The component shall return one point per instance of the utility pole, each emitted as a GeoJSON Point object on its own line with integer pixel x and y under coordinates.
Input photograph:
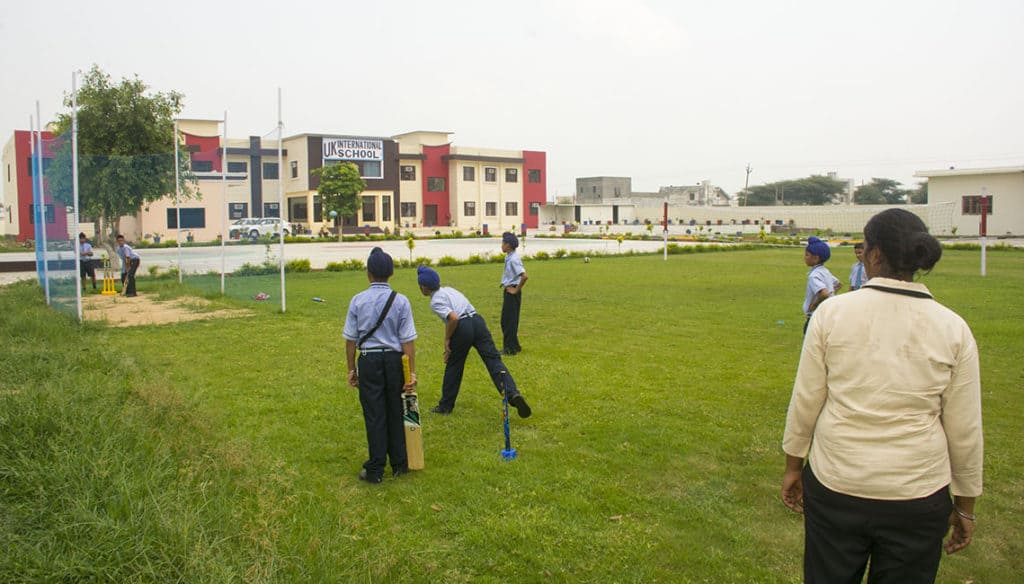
{"type": "Point", "coordinates": [746, 184]}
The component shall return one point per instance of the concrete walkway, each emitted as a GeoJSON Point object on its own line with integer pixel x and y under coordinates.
{"type": "Point", "coordinates": [198, 260]}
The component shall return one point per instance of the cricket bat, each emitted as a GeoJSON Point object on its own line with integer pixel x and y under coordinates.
{"type": "Point", "coordinates": [411, 420]}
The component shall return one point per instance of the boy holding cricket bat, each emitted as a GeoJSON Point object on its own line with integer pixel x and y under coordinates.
{"type": "Point", "coordinates": [379, 324]}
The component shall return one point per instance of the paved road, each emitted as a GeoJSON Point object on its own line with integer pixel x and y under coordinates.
{"type": "Point", "coordinates": [205, 259]}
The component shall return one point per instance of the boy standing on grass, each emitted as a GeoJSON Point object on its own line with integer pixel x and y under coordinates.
{"type": "Point", "coordinates": [130, 261]}
{"type": "Point", "coordinates": [379, 324]}
{"type": "Point", "coordinates": [85, 267]}
{"type": "Point", "coordinates": [820, 282]}
{"type": "Point", "coordinates": [857, 277]}
{"type": "Point", "coordinates": [512, 281]}
{"type": "Point", "coordinates": [464, 328]}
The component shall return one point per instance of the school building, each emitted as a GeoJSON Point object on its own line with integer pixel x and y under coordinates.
{"type": "Point", "coordinates": [1003, 187]}
{"type": "Point", "coordinates": [17, 210]}
{"type": "Point", "coordinates": [413, 180]}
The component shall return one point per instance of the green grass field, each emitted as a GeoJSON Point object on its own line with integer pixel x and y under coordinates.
{"type": "Point", "coordinates": [227, 450]}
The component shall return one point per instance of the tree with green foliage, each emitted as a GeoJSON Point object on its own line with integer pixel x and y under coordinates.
{"type": "Point", "coordinates": [125, 150]}
{"type": "Point", "coordinates": [340, 185]}
{"type": "Point", "coordinates": [919, 196]}
{"type": "Point", "coordinates": [813, 190]}
{"type": "Point", "coordinates": [880, 191]}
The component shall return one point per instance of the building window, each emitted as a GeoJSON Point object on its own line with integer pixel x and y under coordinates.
{"type": "Point", "coordinates": [534, 209]}
{"type": "Point", "coordinates": [581, 190]}
{"type": "Point", "coordinates": [234, 166]}
{"type": "Point", "coordinates": [408, 172]}
{"type": "Point", "coordinates": [618, 192]}
{"type": "Point", "coordinates": [192, 218]}
{"type": "Point", "coordinates": [300, 211]}
{"type": "Point", "coordinates": [511, 175]}
{"type": "Point", "coordinates": [469, 209]}
{"type": "Point", "coordinates": [435, 184]}
{"type": "Point", "coordinates": [408, 209]}
{"type": "Point", "coordinates": [385, 208]}
{"type": "Point", "coordinates": [533, 175]}
{"type": "Point", "coordinates": [295, 168]}
{"type": "Point", "coordinates": [971, 205]}
{"type": "Point", "coordinates": [271, 210]}
{"type": "Point", "coordinates": [32, 165]}
{"type": "Point", "coordinates": [369, 168]}
{"type": "Point", "coordinates": [270, 170]}
{"type": "Point", "coordinates": [49, 215]}
{"type": "Point", "coordinates": [490, 174]}
{"type": "Point", "coordinates": [202, 166]}
{"type": "Point", "coordinates": [369, 208]}
{"type": "Point", "coordinates": [238, 210]}
{"type": "Point", "coordinates": [593, 190]}
{"type": "Point", "coordinates": [511, 209]}
{"type": "Point", "coordinates": [469, 173]}
{"type": "Point", "coordinates": [491, 209]}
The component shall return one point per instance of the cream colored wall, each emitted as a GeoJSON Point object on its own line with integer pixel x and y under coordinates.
{"type": "Point", "coordinates": [153, 219]}
{"type": "Point", "coordinates": [481, 192]}
{"type": "Point", "coordinates": [421, 138]}
{"type": "Point", "coordinates": [298, 150]}
{"type": "Point", "coordinates": [11, 212]}
{"type": "Point", "coordinates": [411, 191]}
{"type": "Point", "coordinates": [200, 127]}
{"type": "Point", "coordinates": [1006, 190]}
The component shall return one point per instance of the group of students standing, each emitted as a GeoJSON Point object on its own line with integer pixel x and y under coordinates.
{"type": "Point", "coordinates": [130, 260]}
{"type": "Point", "coordinates": [379, 330]}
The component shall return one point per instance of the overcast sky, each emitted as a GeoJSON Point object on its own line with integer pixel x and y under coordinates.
{"type": "Point", "coordinates": [667, 92]}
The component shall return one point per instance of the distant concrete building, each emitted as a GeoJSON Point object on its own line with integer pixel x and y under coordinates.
{"type": "Point", "coordinates": [603, 189]}
{"type": "Point", "coordinates": [1002, 186]}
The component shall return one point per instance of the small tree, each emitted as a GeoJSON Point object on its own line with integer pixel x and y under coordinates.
{"type": "Point", "coordinates": [126, 150]}
{"type": "Point", "coordinates": [411, 244]}
{"type": "Point", "coordinates": [340, 185]}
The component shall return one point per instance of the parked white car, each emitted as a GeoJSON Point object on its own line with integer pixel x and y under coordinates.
{"type": "Point", "coordinates": [256, 228]}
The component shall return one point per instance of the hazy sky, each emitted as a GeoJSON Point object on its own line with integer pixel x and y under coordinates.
{"type": "Point", "coordinates": [668, 92]}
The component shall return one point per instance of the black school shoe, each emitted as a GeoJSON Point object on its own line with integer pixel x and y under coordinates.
{"type": "Point", "coordinates": [400, 471]}
{"type": "Point", "coordinates": [364, 476]}
{"type": "Point", "coordinates": [441, 410]}
{"type": "Point", "coordinates": [519, 403]}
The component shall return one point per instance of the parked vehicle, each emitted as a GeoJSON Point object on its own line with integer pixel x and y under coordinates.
{"type": "Point", "coordinates": [256, 228]}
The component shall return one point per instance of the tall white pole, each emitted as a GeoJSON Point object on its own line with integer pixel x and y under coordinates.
{"type": "Point", "coordinates": [74, 190]}
{"type": "Point", "coordinates": [224, 195]}
{"type": "Point", "coordinates": [41, 226]}
{"type": "Point", "coordinates": [177, 197]}
{"type": "Point", "coordinates": [281, 212]}
{"type": "Point", "coordinates": [983, 230]}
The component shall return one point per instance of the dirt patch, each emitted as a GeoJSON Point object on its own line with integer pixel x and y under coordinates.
{"type": "Point", "coordinates": [144, 309]}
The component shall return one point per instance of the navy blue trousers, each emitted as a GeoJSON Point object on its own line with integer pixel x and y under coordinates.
{"type": "Point", "coordinates": [380, 393]}
{"type": "Point", "coordinates": [472, 333]}
{"type": "Point", "coordinates": [510, 308]}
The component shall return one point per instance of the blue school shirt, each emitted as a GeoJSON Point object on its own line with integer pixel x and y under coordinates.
{"type": "Point", "coordinates": [818, 279]}
{"type": "Point", "coordinates": [364, 310]}
{"type": "Point", "coordinates": [513, 270]}
{"type": "Point", "coordinates": [447, 300]}
{"type": "Point", "coordinates": [857, 278]}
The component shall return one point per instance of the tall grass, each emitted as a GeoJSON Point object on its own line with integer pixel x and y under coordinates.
{"type": "Point", "coordinates": [659, 392]}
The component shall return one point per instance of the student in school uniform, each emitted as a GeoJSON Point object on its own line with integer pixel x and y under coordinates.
{"type": "Point", "coordinates": [464, 328]}
{"type": "Point", "coordinates": [820, 282]}
{"type": "Point", "coordinates": [380, 326]}
{"type": "Point", "coordinates": [85, 254]}
{"type": "Point", "coordinates": [857, 275]}
{"type": "Point", "coordinates": [130, 261]}
{"type": "Point", "coordinates": [512, 281]}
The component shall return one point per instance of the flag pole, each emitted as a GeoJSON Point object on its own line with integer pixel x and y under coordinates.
{"type": "Point", "coordinates": [224, 195]}
{"type": "Point", "coordinates": [74, 190]}
{"type": "Point", "coordinates": [177, 197]}
{"type": "Point", "coordinates": [281, 212]}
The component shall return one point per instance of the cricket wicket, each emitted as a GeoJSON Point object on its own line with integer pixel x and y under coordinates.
{"type": "Point", "coordinates": [109, 288]}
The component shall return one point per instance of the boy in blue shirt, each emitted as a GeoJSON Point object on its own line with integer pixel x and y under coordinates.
{"type": "Point", "coordinates": [464, 328]}
{"type": "Point", "coordinates": [820, 282]}
{"type": "Point", "coordinates": [379, 324]}
{"type": "Point", "coordinates": [857, 275]}
{"type": "Point", "coordinates": [512, 281]}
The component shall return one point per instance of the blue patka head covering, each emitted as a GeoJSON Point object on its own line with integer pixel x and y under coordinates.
{"type": "Point", "coordinates": [380, 263]}
{"type": "Point", "coordinates": [819, 248]}
{"type": "Point", "coordinates": [428, 278]}
{"type": "Point", "coordinates": [511, 239]}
